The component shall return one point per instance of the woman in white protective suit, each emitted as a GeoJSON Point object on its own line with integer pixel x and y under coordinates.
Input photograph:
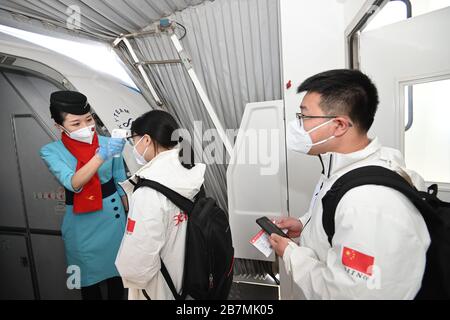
{"type": "Point", "coordinates": [156, 228]}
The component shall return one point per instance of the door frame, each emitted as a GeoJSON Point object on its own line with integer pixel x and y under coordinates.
{"type": "Point", "coordinates": [26, 232]}
{"type": "Point", "coordinates": [401, 83]}
{"type": "Point", "coordinates": [352, 35]}
{"type": "Point", "coordinates": [369, 10]}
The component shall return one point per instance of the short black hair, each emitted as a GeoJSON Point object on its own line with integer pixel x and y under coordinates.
{"type": "Point", "coordinates": [345, 92]}
{"type": "Point", "coordinates": [58, 116]}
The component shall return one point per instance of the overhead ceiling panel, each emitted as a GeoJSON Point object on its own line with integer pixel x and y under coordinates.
{"type": "Point", "coordinates": [100, 18]}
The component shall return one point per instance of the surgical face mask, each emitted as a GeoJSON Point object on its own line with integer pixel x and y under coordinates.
{"type": "Point", "coordinates": [299, 140]}
{"type": "Point", "coordinates": [140, 159]}
{"type": "Point", "coordinates": [85, 134]}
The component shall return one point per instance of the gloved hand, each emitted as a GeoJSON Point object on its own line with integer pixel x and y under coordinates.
{"type": "Point", "coordinates": [114, 147]}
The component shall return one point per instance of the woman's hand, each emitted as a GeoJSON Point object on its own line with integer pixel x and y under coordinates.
{"type": "Point", "coordinates": [114, 147]}
{"type": "Point", "coordinates": [81, 177]}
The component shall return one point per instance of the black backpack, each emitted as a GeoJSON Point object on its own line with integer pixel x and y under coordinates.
{"type": "Point", "coordinates": [436, 213]}
{"type": "Point", "coordinates": [209, 257]}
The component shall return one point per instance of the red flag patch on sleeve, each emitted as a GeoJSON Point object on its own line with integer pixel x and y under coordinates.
{"type": "Point", "coordinates": [130, 226]}
{"type": "Point", "coordinates": [357, 261]}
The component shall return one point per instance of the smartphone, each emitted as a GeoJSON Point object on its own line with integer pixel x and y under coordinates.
{"type": "Point", "coordinates": [268, 226]}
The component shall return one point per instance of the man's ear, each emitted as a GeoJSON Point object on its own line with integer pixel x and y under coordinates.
{"type": "Point", "coordinates": [342, 126]}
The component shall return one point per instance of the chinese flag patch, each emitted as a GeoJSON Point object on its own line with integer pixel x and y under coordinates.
{"type": "Point", "coordinates": [130, 226]}
{"type": "Point", "coordinates": [357, 261]}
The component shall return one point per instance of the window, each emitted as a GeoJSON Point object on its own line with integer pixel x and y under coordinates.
{"type": "Point", "coordinates": [427, 141]}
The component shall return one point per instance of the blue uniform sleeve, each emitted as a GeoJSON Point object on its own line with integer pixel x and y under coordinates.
{"type": "Point", "coordinates": [58, 167]}
{"type": "Point", "coordinates": [119, 174]}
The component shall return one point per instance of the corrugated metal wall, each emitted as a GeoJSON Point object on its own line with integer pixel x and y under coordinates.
{"type": "Point", "coordinates": [234, 46]}
{"type": "Point", "coordinates": [102, 18]}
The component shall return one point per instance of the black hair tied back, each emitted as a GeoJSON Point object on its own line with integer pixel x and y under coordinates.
{"type": "Point", "coordinates": [186, 154]}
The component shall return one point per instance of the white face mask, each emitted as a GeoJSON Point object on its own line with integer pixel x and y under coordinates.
{"type": "Point", "coordinates": [85, 134]}
{"type": "Point", "coordinates": [298, 140]}
{"type": "Point", "coordinates": [140, 159]}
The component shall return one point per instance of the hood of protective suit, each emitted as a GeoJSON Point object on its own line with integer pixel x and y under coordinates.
{"type": "Point", "coordinates": [166, 169]}
{"type": "Point", "coordinates": [335, 164]}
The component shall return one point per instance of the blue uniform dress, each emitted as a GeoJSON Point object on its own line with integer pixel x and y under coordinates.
{"type": "Point", "coordinates": [91, 240]}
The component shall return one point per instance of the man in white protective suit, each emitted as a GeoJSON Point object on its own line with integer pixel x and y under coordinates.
{"type": "Point", "coordinates": [379, 246]}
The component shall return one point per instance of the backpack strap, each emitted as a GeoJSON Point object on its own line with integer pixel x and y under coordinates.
{"type": "Point", "coordinates": [169, 281]}
{"type": "Point", "coordinates": [369, 175]}
{"type": "Point", "coordinates": [181, 202]}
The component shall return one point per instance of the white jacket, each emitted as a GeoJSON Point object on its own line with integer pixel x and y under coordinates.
{"type": "Point", "coordinates": [374, 225]}
{"type": "Point", "coordinates": [156, 228]}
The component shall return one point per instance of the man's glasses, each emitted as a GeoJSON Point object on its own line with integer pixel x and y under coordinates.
{"type": "Point", "coordinates": [301, 117]}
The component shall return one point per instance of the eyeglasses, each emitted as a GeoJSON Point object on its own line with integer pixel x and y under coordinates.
{"type": "Point", "coordinates": [130, 139]}
{"type": "Point", "coordinates": [301, 117]}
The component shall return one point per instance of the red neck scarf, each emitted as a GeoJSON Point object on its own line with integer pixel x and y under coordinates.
{"type": "Point", "coordinates": [90, 198]}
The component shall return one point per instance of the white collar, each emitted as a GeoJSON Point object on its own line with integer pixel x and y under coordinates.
{"type": "Point", "coordinates": [333, 162]}
{"type": "Point", "coordinates": [155, 162]}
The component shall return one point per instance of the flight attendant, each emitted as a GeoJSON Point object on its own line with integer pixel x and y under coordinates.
{"type": "Point", "coordinates": [89, 167]}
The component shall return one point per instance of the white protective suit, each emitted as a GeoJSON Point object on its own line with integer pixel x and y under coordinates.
{"type": "Point", "coordinates": [156, 228]}
{"type": "Point", "coordinates": [374, 225]}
